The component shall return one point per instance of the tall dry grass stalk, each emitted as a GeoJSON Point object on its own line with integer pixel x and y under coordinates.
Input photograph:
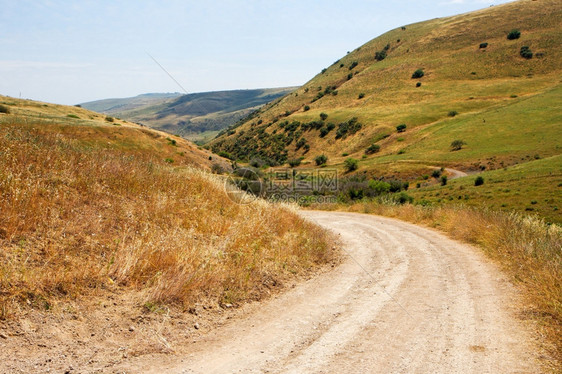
{"type": "Point", "coordinates": [526, 247]}
{"type": "Point", "coordinates": [79, 218]}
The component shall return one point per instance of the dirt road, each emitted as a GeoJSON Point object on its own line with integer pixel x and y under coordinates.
{"type": "Point", "coordinates": [405, 300]}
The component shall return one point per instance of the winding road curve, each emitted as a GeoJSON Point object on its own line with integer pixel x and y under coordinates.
{"type": "Point", "coordinates": [405, 300]}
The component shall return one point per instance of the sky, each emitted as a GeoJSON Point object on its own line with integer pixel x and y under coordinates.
{"type": "Point", "coordinates": [68, 52]}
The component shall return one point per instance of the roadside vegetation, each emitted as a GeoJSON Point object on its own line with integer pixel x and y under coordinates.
{"type": "Point", "coordinates": [88, 210]}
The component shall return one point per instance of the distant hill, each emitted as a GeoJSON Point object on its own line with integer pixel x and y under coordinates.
{"type": "Point", "coordinates": [198, 116]}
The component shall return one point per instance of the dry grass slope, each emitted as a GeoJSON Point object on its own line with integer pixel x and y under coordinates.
{"type": "Point", "coordinates": [86, 211]}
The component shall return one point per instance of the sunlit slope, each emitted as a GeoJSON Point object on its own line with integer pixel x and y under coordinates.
{"type": "Point", "coordinates": [504, 106]}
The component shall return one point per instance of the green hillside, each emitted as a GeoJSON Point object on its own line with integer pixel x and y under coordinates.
{"type": "Point", "coordinates": [198, 117]}
{"type": "Point", "coordinates": [504, 106]}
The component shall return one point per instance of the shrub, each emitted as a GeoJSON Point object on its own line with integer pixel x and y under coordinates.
{"type": "Point", "coordinates": [225, 155]}
{"type": "Point", "coordinates": [443, 180]}
{"type": "Point", "coordinates": [349, 76]}
{"type": "Point", "coordinates": [514, 34]}
{"type": "Point", "coordinates": [479, 181]}
{"type": "Point", "coordinates": [381, 55]}
{"type": "Point", "coordinates": [418, 74]}
{"type": "Point", "coordinates": [109, 119]}
{"type": "Point", "coordinates": [321, 160]}
{"type": "Point", "coordinates": [525, 52]}
{"type": "Point", "coordinates": [4, 109]}
{"type": "Point", "coordinates": [436, 173]}
{"type": "Point", "coordinates": [456, 145]}
{"type": "Point", "coordinates": [361, 95]}
{"type": "Point", "coordinates": [353, 65]}
{"type": "Point", "coordinates": [404, 198]}
{"type": "Point", "coordinates": [169, 160]}
{"type": "Point", "coordinates": [418, 84]}
{"type": "Point", "coordinates": [306, 108]}
{"type": "Point", "coordinates": [217, 168]}
{"type": "Point", "coordinates": [483, 45]}
{"type": "Point", "coordinates": [351, 164]}
{"type": "Point", "coordinates": [373, 148]}
{"type": "Point", "coordinates": [323, 116]}
{"type": "Point", "coordinates": [294, 162]}
{"type": "Point", "coordinates": [401, 128]}
{"type": "Point", "coordinates": [72, 116]}
{"type": "Point", "coordinates": [324, 70]}
{"type": "Point", "coordinates": [453, 113]}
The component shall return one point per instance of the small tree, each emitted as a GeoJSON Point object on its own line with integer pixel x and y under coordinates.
{"type": "Point", "coordinates": [373, 148]}
{"type": "Point", "coordinates": [479, 181]}
{"type": "Point", "coordinates": [294, 162]}
{"type": "Point", "coordinates": [418, 74]}
{"type": "Point", "coordinates": [436, 173]}
{"type": "Point", "coordinates": [109, 119]}
{"type": "Point", "coordinates": [443, 180]}
{"type": "Point", "coordinates": [361, 95]}
{"type": "Point", "coordinates": [323, 116]}
{"type": "Point", "coordinates": [401, 128]}
{"type": "Point", "coordinates": [306, 108]}
{"type": "Point", "coordinates": [321, 160]}
{"type": "Point", "coordinates": [525, 52]}
{"type": "Point", "coordinates": [4, 109]}
{"type": "Point", "coordinates": [456, 145]}
{"type": "Point", "coordinates": [453, 113]}
{"type": "Point", "coordinates": [351, 164]}
{"type": "Point", "coordinates": [483, 45]}
{"type": "Point", "coordinates": [418, 84]}
{"type": "Point", "coordinates": [353, 65]}
{"type": "Point", "coordinates": [514, 34]}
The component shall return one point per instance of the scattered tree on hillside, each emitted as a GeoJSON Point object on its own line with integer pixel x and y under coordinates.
{"type": "Point", "coordinates": [373, 148]}
{"type": "Point", "coordinates": [401, 127]}
{"type": "Point", "coordinates": [479, 181]}
{"type": "Point", "coordinates": [514, 34]}
{"type": "Point", "coordinates": [525, 52]}
{"type": "Point", "coordinates": [321, 160]}
{"type": "Point", "coordinates": [351, 164]}
{"type": "Point", "coordinates": [418, 74]}
{"type": "Point", "coordinates": [456, 145]}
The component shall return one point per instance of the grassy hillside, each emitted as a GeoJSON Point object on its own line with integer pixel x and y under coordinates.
{"type": "Point", "coordinates": [477, 95]}
{"type": "Point", "coordinates": [92, 207]}
{"type": "Point", "coordinates": [199, 116]}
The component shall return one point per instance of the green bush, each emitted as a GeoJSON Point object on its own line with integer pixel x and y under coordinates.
{"type": "Point", "coordinates": [483, 45]}
{"type": "Point", "coordinates": [404, 198]}
{"type": "Point", "coordinates": [443, 180]}
{"type": "Point", "coordinates": [324, 70]}
{"type": "Point", "coordinates": [436, 173]}
{"type": "Point", "coordinates": [349, 76]}
{"type": "Point", "coordinates": [373, 148]}
{"type": "Point", "coordinates": [72, 116]}
{"type": "Point", "coordinates": [514, 34]}
{"type": "Point", "coordinates": [456, 145]}
{"type": "Point", "coordinates": [294, 162]}
{"type": "Point", "coordinates": [351, 164]}
{"type": "Point", "coordinates": [361, 95]}
{"type": "Point", "coordinates": [479, 181]}
{"type": "Point", "coordinates": [306, 108]}
{"type": "Point", "coordinates": [323, 116]}
{"type": "Point", "coordinates": [353, 65]}
{"type": "Point", "coordinates": [418, 84]}
{"type": "Point", "coordinates": [109, 119]}
{"type": "Point", "coordinates": [381, 55]}
{"type": "Point", "coordinates": [525, 52]}
{"type": "Point", "coordinates": [321, 160]}
{"type": "Point", "coordinates": [401, 128]}
{"type": "Point", "coordinates": [4, 109]}
{"type": "Point", "coordinates": [453, 113]}
{"type": "Point", "coordinates": [418, 74]}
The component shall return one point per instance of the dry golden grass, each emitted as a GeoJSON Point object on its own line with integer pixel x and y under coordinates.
{"type": "Point", "coordinates": [81, 217]}
{"type": "Point", "coordinates": [527, 248]}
